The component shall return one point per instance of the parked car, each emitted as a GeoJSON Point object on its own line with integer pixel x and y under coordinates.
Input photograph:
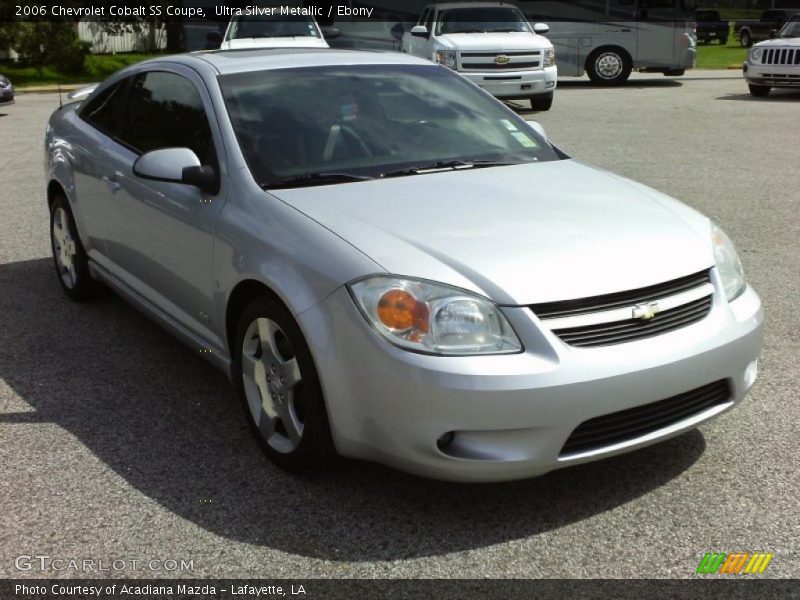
{"type": "Point", "coordinates": [750, 32]}
{"type": "Point", "coordinates": [279, 31]}
{"type": "Point", "coordinates": [492, 45]}
{"type": "Point", "coordinates": [775, 63]}
{"type": "Point", "coordinates": [710, 27]}
{"type": "Point", "coordinates": [400, 269]}
{"type": "Point", "coordinates": [6, 91]}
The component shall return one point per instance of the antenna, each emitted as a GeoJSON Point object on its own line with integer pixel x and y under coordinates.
{"type": "Point", "coordinates": [60, 104]}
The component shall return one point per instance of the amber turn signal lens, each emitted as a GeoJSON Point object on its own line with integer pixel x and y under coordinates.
{"type": "Point", "coordinates": [398, 309]}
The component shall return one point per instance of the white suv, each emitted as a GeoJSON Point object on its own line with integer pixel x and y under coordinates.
{"type": "Point", "coordinates": [492, 45]}
{"type": "Point", "coordinates": [775, 62]}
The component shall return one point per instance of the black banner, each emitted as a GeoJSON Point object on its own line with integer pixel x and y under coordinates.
{"type": "Point", "coordinates": [378, 589]}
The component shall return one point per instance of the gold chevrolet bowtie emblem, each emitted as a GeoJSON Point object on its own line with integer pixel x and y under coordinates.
{"type": "Point", "coordinates": [646, 311]}
{"type": "Point", "coordinates": [502, 59]}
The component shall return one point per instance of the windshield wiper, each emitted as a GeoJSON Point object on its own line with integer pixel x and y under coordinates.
{"type": "Point", "coordinates": [310, 179]}
{"type": "Point", "coordinates": [446, 164]}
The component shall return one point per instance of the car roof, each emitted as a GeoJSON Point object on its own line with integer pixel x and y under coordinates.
{"type": "Point", "coordinates": [260, 59]}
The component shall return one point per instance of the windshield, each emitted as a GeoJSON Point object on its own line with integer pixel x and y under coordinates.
{"type": "Point", "coordinates": [481, 20]}
{"type": "Point", "coordinates": [366, 121]}
{"type": "Point", "coordinates": [277, 26]}
{"type": "Point", "coordinates": [790, 30]}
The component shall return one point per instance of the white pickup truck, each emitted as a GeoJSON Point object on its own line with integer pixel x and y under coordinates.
{"type": "Point", "coordinates": [491, 44]}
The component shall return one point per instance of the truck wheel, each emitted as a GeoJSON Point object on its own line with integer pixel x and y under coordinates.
{"type": "Point", "coordinates": [542, 102]}
{"type": "Point", "coordinates": [723, 41]}
{"type": "Point", "coordinates": [609, 66]}
{"type": "Point", "coordinates": [759, 90]}
{"type": "Point", "coordinates": [746, 39]}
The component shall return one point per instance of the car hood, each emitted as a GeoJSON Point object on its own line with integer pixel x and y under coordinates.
{"type": "Point", "coordinates": [496, 42]}
{"type": "Point", "coordinates": [779, 42]}
{"type": "Point", "coordinates": [521, 234]}
{"type": "Point", "coordinates": [298, 41]}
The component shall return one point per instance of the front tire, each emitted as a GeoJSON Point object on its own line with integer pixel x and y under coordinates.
{"type": "Point", "coordinates": [759, 91]}
{"type": "Point", "coordinates": [69, 257]}
{"type": "Point", "coordinates": [277, 381]}
{"type": "Point", "coordinates": [609, 66]}
{"type": "Point", "coordinates": [746, 39]}
{"type": "Point", "coordinates": [542, 102]}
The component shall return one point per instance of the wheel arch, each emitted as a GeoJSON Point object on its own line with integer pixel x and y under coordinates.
{"type": "Point", "coordinates": [241, 295]}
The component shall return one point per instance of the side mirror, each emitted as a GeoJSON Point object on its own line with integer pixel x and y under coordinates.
{"type": "Point", "coordinates": [176, 165]}
{"type": "Point", "coordinates": [541, 28]}
{"type": "Point", "coordinates": [331, 32]}
{"type": "Point", "coordinates": [213, 40]}
{"type": "Point", "coordinates": [773, 33]}
{"type": "Point", "coordinates": [419, 31]}
{"type": "Point", "coordinates": [537, 127]}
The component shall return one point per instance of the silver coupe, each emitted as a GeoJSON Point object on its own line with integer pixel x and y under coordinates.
{"type": "Point", "coordinates": [392, 265]}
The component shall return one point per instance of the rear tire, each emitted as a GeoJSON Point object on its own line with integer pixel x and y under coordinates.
{"type": "Point", "coordinates": [275, 377]}
{"type": "Point", "coordinates": [759, 90]}
{"type": "Point", "coordinates": [746, 40]}
{"type": "Point", "coordinates": [542, 102]}
{"type": "Point", "coordinates": [69, 257]}
{"type": "Point", "coordinates": [609, 66]}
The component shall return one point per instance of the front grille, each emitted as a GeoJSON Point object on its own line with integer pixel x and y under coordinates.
{"type": "Point", "coordinates": [623, 426]}
{"type": "Point", "coordinates": [781, 56]}
{"type": "Point", "coordinates": [593, 304]}
{"type": "Point", "coordinates": [622, 317]}
{"type": "Point", "coordinates": [494, 66]}
{"type": "Point", "coordinates": [618, 332]}
{"type": "Point", "coordinates": [485, 61]}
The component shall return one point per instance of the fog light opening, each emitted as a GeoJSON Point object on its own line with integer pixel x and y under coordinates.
{"type": "Point", "coordinates": [445, 440]}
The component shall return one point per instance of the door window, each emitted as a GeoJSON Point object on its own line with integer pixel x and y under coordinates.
{"type": "Point", "coordinates": [165, 110]}
{"type": "Point", "coordinates": [104, 111]}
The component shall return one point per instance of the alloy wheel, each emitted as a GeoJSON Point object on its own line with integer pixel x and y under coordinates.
{"type": "Point", "coordinates": [273, 385]}
{"type": "Point", "coordinates": [65, 249]}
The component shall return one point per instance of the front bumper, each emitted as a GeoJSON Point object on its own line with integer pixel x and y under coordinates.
{"type": "Point", "coordinates": [515, 84]}
{"type": "Point", "coordinates": [772, 75]}
{"type": "Point", "coordinates": [513, 413]}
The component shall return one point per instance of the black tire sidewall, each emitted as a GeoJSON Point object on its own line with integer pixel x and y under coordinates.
{"type": "Point", "coordinates": [316, 446]}
{"type": "Point", "coordinates": [542, 102]}
{"type": "Point", "coordinates": [84, 284]}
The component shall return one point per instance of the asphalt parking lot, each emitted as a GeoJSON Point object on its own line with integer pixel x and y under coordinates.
{"type": "Point", "coordinates": [117, 442]}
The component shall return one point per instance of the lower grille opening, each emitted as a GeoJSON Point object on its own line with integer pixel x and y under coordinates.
{"type": "Point", "coordinates": [626, 425]}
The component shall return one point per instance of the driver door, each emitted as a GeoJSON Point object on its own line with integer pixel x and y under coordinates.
{"type": "Point", "coordinates": [162, 242]}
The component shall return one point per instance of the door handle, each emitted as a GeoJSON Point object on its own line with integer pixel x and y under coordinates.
{"type": "Point", "coordinates": [112, 181]}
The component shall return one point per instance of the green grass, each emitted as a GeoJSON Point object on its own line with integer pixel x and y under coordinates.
{"type": "Point", "coordinates": [98, 67]}
{"type": "Point", "coordinates": [714, 56]}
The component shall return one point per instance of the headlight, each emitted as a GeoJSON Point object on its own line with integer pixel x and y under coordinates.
{"type": "Point", "coordinates": [728, 264]}
{"type": "Point", "coordinates": [446, 58]}
{"type": "Point", "coordinates": [4, 82]}
{"type": "Point", "coordinates": [549, 57]}
{"type": "Point", "coordinates": [433, 318]}
{"type": "Point", "coordinates": [755, 54]}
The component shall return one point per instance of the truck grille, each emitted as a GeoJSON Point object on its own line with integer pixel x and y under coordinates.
{"type": "Point", "coordinates": [632, 315]}
{"type": "Point", "coordinates": [501, 61]}
{"type": "Point", "coordinates": [626, 425]}
{"type": "Point", "coordinates": [781, 56]}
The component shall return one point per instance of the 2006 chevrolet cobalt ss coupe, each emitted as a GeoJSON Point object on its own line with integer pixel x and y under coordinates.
{"type": "Point", "coordinates": [392, 265]}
